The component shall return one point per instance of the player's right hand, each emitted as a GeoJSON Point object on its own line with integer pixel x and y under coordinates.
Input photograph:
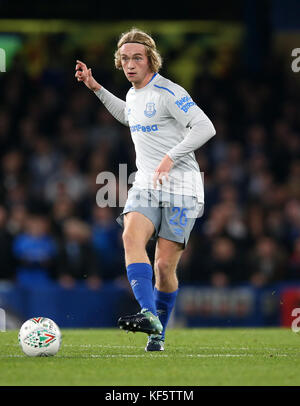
{"type": "Point", "coordinates": [83, 74]}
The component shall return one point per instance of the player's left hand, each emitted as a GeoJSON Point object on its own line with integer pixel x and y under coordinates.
{"type": "Point", "coordinates": [162, 171]}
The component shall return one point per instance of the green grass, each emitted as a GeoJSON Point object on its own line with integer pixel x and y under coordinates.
{"type": "Point", "coordinates": [193, 357]}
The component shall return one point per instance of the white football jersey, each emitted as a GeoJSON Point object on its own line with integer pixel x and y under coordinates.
{"type": "Point", "coordinates": [158, 116]}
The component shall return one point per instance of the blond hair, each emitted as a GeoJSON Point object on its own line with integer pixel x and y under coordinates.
{"type": "Point", "coordinates": [140, 37]}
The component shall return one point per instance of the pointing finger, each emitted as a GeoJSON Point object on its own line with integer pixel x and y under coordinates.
{"type": "Point", "coordinates": [80, 65]}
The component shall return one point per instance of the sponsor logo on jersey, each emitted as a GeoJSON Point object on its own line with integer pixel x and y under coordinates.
{"type": "Point", "coordinates": [144, 128]}
{"type": "Point", "coordinates": [185, 103]}
{"type": "Point", "coordinates": [150, 109]}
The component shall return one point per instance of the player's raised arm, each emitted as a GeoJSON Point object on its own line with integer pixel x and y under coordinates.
{"type": "Point", "coordinates": [114, 105]}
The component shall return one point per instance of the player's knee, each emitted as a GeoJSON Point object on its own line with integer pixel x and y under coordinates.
{"type": "Point", "coordinates": [127, 239]}
{"type": "Point", "coordinates": [162, 269]}
{"type": "Point", "coordinates": [131, 241]}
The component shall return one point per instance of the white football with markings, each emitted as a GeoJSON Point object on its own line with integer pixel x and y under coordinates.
{"type": "Point", "coordinates": [39, 337]}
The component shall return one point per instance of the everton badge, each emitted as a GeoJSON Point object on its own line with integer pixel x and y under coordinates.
{"type": "Point", "coordinates": [150, 109]}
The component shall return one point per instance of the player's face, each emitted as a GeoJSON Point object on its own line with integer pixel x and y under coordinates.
{"type": "Point", "coordinates": [135, 64]}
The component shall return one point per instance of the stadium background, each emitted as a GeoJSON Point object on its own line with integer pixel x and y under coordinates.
{"type": "Point", "coordinates": [61, 255]}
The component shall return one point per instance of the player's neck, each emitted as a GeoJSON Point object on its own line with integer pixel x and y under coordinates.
{"type": "Point", "coordinates": [144, 82]}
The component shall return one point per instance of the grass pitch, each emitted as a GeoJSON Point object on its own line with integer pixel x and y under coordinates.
{"type": "Point", "coordinates": [193, 357]}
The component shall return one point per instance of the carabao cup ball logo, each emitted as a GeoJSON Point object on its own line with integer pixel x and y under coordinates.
{"type": "Point", "coordinates": [150, 110]}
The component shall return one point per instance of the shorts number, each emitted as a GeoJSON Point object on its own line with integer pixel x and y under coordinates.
{"type": "Point", "coordinates": [178, 213]}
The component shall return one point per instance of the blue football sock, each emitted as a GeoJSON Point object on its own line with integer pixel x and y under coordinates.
{"type": "Point", "coordinates": [140, 278]}
{"type": "Point", "coordinates": [164, 305]}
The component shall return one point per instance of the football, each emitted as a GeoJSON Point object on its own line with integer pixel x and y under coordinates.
{"type": "Point", "coordinates": [39, 337]}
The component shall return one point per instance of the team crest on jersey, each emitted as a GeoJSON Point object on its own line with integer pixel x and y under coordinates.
{"type": "Point", "coordinates": [150, 109]}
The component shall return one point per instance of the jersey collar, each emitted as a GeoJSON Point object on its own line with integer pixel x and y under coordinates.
{"type": "Point", "coordinates": [155, 76]}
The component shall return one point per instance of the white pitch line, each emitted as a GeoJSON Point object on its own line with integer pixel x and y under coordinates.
{"type": "Point", "coordinates": [211, 348]}
{"type": "Point", "coordinates": [87, 346]}
{"type": "Point", "coordinates": [171, 356]}
{"type": "Point", "coordinates": [151, 356]}
{"type": "Point", "coordinates": [182, 355]}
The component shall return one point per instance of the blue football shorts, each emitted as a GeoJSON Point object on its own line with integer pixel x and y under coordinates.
{"type": "Point", "coordinates": [172, 215]}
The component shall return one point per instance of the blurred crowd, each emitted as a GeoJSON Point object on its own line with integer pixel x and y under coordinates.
{"type": "Point", "coordinates": [56, 137]}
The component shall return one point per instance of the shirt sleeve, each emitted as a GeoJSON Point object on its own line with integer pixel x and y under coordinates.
{"type": "Point", "coordinates": [201, 131]}
{"type": "Point", "coordinates": [114, 105]}
{"type": "Point", "coordinates": [187, 113]}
